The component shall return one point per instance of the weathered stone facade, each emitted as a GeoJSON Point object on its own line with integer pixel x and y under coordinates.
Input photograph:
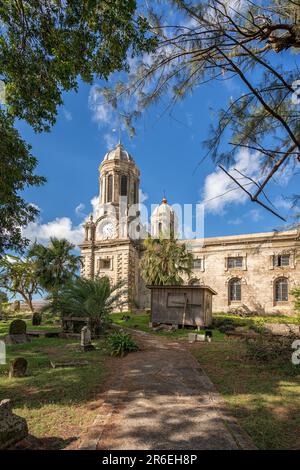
{"type": "Point", "coordinates": [254, 272]}
{"type": "Point", "coordinates": [258, 274]}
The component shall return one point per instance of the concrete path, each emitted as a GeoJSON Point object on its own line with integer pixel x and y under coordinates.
{"type": "Point", "coordinates": [161, 399]}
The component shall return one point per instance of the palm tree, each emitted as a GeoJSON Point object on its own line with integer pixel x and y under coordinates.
{"type": "Point", "coordinates": [164, 261]}
{"type": "Point", "coordinates": [91, 298]}
{"type": "Point", "coordinates": [56, 265]}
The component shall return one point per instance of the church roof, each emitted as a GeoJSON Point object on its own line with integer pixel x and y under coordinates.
{"type": "Point", "coordinates": [118, 153]}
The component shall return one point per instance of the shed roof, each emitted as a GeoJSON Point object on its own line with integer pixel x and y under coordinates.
{"type": "Point", "coordinates": [184, 287]}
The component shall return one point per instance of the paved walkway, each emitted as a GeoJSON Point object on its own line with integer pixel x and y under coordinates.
{"type": "Point", "coordinates": [162, 399]}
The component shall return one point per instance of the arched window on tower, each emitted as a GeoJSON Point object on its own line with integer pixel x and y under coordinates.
{"type": "Point", "coordinates": [109, 188]}
{"type": "Point", "coordinates": [281, 290]}
{"type": "Point", "coordinates": [123, 185]}
{"type": "Point", "coordinates": [235, 290]}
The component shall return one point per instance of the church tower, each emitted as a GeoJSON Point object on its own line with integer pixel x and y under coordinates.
{"type": "Point", "coordinates": [108, 249]}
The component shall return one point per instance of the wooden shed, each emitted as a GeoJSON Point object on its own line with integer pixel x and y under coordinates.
{"type": "Point", "coordinates": [181, 305]}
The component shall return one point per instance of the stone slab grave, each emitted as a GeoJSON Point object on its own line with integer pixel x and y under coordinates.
{"type": "Point", "coordinates": [280, 329]}
{"type": "Point", "coordinates": [18, 367]}
{"type": "Point", "coordinates": [43, 334]}
{"type": "Point", "coordinates": [13, 428]}
{"type": "Point", "coordinates": [86, 339]}
{"type": "Point", "coordinates": [207, 336]}
{"type": "Point", "coordinates": [17, 333]}
{"type": "Point", "coordinates": [56, 364]}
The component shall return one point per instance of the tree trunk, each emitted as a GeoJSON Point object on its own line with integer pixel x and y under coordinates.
{"type": "Point", "coordinates": [29, 303]}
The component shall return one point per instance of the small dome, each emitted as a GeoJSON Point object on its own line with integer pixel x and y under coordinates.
{"type": "Point", "coordinates": [163, 219]}
{"type": "Point", "coordinates": [118, 153]}
{"type": "Point", "coordinates": [163, 209]}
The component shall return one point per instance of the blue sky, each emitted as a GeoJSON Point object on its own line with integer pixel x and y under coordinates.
{"type": "Point", "coordinates": [167, 150]}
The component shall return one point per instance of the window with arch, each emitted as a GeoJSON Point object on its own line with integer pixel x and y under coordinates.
{"type": "Point", "coordinates": [123, 185]}
{"type": "Point", "coordinates": [281, 289]}
{"type": "Point", "coordinates": [109, 188]}
{"type": "Point", "coordinates": [235, 290]}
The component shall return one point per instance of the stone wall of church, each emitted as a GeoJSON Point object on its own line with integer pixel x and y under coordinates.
{"type": "Point", "coordinates": [257, 274]}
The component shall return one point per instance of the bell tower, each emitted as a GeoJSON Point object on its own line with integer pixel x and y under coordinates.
{"type": "Point", "coordinates": [108, 249]}
{"type": "Point", "coordinates": [119, 177]}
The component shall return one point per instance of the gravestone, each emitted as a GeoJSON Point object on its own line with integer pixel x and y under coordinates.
{"type": "Point", "coordinates": [18, 367]}
{"type": "Point", "coordinates": [17, 327]}
{"type": "Point", "coordinates": [192, 337]}
{"type": "Point", "coordinates": [86, 339]}
{"type": "Point", "coordinates": [13, 428]}
{"type": "Point", "coordinates": [17, 333]}
{"type": "Point", "coordinates": [36, 319]}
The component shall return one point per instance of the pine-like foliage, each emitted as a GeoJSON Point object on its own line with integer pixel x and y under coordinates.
{"type": "Point", "coordinates": [257, 45]}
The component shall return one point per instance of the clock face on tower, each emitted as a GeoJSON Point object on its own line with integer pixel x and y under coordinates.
{"type": "Point", "coordinates": [107, 229]}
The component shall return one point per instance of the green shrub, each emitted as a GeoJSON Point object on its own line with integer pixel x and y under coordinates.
{"type": "Point", "coordinates": [225, 324]}
{"type": "Point", "coordinates": [296, 294]}
{"type": "Point", "coordinates": [266, 350]}
{"type": "Point", "coordinates": [120, 343]}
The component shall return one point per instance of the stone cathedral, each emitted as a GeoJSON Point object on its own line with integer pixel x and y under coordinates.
{"type": "Point", "coordinates": [254, 272]}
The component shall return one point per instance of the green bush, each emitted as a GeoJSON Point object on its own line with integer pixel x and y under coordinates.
{"type": "Point", "coordinates": [296, 294]}
{"type": "Point", "coordinates": [225, 324]}
{"type": "Point", "coordinates": [120, 343]}
{"type": "Point", "coordinates": [266, 350]}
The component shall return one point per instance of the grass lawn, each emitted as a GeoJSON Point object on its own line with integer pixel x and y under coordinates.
{"type": "Point", "coordinates": [265, 398]}
{"type": "Point", "coordinates": [141, 322]}
{"type": "Point", "coordinates": [57, 403]}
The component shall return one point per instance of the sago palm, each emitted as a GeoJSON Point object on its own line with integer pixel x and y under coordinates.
{"type": "Point", "coordinates": [94, 299]}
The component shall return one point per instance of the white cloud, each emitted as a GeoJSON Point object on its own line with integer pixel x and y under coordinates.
{"type": "Point", "coordinates": [111, 140]}
{"type": "Point", "coordinates": [60, 228]}
{"type": "Point", "coordinates": [67, 115]}
{"type": "Point", "coordinates": [102, 112]}
{"type": "Point", "coordinates": [142, 196]}
{"type": "Point", "coordinates": [95, 205]}
{"type": "Point", "coordinates": [220, 191]}
{"type": "Point", "coordinates": [255, 215]}
{"type": "Point", "coordinates": [287, 205]}
{"type": "Point", "coordinates": [105, 116]}
{"type": "Point", "coordinates": [79, 210]}
{"type": "Point", "coordinates": [283, 203]}
{"type": "Point", "coordinates": [237, 221]}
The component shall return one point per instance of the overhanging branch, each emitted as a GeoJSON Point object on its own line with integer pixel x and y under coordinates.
{"type": "Point", "coordinates": [252, 197]}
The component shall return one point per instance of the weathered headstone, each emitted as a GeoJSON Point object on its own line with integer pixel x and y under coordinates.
{"type": "Point", "coordinates": [18, 367]}
{"type": "Point", "coordinates": [17, 327]}
{"type": "Point", "coordinates": [200, 337]}
{"type": "Point", "coordinates": [13, 428]}
{"type": "Point", "coordinates": [16, 306]}
{"type": "Point", "coordinates": [36, 319]}
{"type": "Point", "coordinates": [86, 339]}
{"type": "Point", "coordinates": [192, 337]}
{"type": "Point", "coordinates": [17, 333]}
